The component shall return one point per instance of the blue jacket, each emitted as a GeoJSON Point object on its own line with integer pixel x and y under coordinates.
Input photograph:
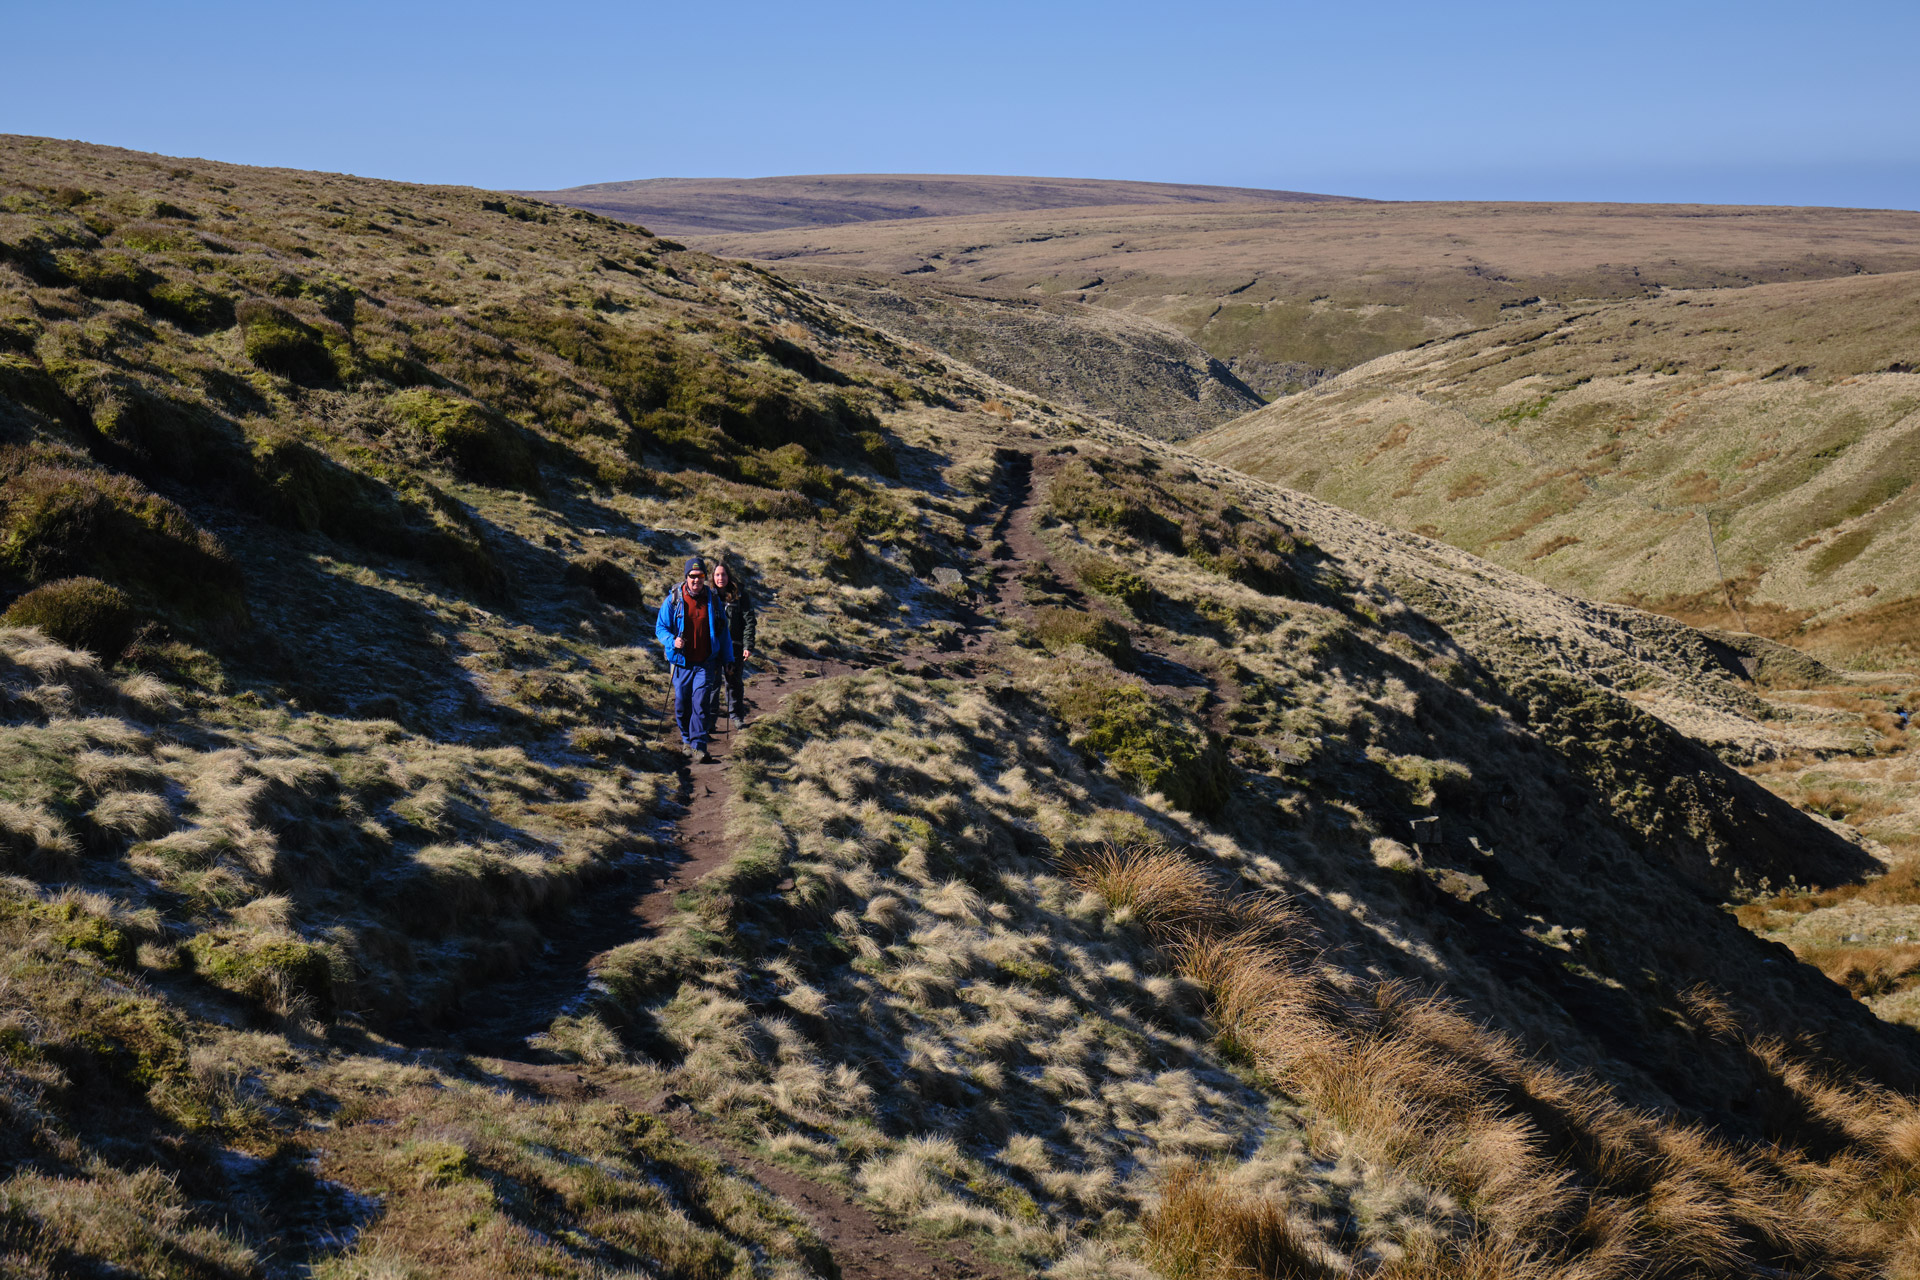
{"type": "Point", "coordinates": [671, 620]}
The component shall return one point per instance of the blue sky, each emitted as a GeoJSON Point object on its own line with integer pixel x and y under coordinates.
{"type": "Point", "coordinates": [1756, 102]}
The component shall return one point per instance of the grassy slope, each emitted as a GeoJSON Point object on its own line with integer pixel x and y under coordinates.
{"type": "Point", "coordinates": [1117, 366]}
{"type": "Point", "coordinates": [381, 464]}
{"type": "Point", "coordinates": [1288, 295]}
{"type": "Point", "coordinates": [1584, 447]}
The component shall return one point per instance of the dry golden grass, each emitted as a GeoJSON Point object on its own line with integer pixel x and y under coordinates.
{"type": "Point", "coordinates": [1203, 1230]}
{"type": "Point", "coordinates": [890, 985]}
{"type": "Point", "coordinates": [1557, 1177]}
{"type": "Point", "coordinates": [1613, 431]}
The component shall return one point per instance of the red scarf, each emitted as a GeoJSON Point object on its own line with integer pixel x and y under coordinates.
{"type": "Point", "coordinates": [696, 645]}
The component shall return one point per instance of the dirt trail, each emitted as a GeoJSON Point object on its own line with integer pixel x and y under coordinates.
{"type": "Point", "coordinates": [1154, 661]}
{"type": "Point", "coordinates": [864, 1244]}
{"type": "Point", "coordinates": [700, 833]}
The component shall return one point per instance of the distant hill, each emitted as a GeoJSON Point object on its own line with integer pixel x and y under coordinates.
{"type": "Point", "coordinates": [1589, 447]}
{"type": "Point", "coordinates": [713, 206]}
{"type": "Point", "coordinates": [1288, 293]}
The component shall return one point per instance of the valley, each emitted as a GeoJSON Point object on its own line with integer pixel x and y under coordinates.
{"type": "Point", "coordinates": [1132, 867]}
{"type": "Point", "coordinates": [1289, 294]}
{"type": "Point", "coordinates": [1595, 446]}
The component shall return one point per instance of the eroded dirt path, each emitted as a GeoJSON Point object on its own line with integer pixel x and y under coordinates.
{"type": "Point", "coordinates": [865, 1244]}
{"type": "Point", "coordinates": [699, 835]}
{"type": "Point", "coordinates": [1017, 530]}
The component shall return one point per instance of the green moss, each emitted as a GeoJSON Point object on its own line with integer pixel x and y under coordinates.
{"type": "Point", "coordinates": [1110, 579]}
{"type": "Point", "coordinates": [265, 969]}
{"type": "Point", "coordinates": [441, 1164]}
{"type": "Point", "coordinates": [1060, 629]}
{"type": "Point", "coordinates": [477, 443]}
{"type": "Point", "coordinates": [190, 306]}
{"type": "Point", "coordinates": [1031, 972]}
{"type": "Point", "coordinates": [105, 274]}
{"type": "Point", "coordinates": [24, 383]}
{"type": "Point", "coordinates": [1118, 723]}
{"type": "Point", "coordinates": [1428, 781]}
{"type": "Point", "coordinates": [280, 344]}
{"type": "Point", "coordinates": [73, 928]}
{"type": "Point", "coordinates": [81, 613]}
{"type": "Point", "coordinates": [137, 1040]}
{"type": "Point", "coordinates": [62, 521]}
{"type": "Point", "coordinates": [76, 930]}
{"type": "Point", "coordinates": [158, 433]}
{"type": "Point", "coordinates": [148, 237]}
{"type": "Point", "coordinates": [1002, 1195]}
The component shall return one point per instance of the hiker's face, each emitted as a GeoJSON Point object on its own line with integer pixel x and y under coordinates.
{"type": "Point", "coordinates": [720, 578]}
{"type": "Point", "coordinates": [696, 580]}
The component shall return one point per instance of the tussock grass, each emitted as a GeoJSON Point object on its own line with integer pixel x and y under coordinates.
{"type": "Point", "coordinates": [1557, 1177]}
{"type": "Point", "coordinates": [1202, 1229]}
{"type": "Point", "coordinates": [947, 1023]}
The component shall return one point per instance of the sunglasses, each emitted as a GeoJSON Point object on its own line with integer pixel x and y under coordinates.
{"type": "Point", "coordinates": [696, 574]}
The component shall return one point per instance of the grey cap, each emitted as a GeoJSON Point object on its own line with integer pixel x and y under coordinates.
{"type": "Point", "coordinates": [694, 562]}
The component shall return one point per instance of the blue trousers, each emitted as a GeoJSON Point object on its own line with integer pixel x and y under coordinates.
{"type": "Point", "coordinates": [696, 702]}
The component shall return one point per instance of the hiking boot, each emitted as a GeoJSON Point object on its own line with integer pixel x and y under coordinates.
{"type": "Point", "coordinates": [706, 757]}
{"type": "Point", "coordinates": [739, 715]}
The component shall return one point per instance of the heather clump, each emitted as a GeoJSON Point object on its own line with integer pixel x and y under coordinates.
{"type": "Point", "coordinates": [1144, 741]}
{"type": "Point", "coordinates": [479, 445]}
{"type": "Point", "coordinates": [82, 613]}
{"type": "Point", "coordinates": [61, 518]}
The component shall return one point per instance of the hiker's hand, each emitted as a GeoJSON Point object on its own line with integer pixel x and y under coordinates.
{"type": "Point", "coordinates": [676, 642]}
{"type": "Point", "coordinates": [747, 656]}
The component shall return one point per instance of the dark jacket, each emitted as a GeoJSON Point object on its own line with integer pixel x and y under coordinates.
{"type": "Point", "coordinates": [743, 623]}
{"type": "Point", "coordinates": [671, 620]}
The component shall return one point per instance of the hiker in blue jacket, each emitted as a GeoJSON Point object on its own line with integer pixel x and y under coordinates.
{"type": "Point", "coordinates": [692, 627]}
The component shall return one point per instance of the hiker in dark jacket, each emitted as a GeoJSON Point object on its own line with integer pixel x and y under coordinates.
{"type": "Point", "coordinates": [743, 625]}
{"type": "Point", "coordinates": [692, 627]}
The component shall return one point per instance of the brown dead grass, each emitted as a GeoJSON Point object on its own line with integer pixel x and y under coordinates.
{"type": "Point", "coordinates": [1203, 1229]}
{"type": "Point", "coordinates": [1556, 1176]}
{"type": "Point", "coordinates": [1868, 971]}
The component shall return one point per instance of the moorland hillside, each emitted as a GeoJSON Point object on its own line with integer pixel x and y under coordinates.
{"type": "Point", "coordinates": [712, 206]}
{"type": "Point", "coordinates": [1289, 294]}
{"type": "Point", "coordinates": [1134, 868]}
{"type": "Point", "coordinates": [1140, 373]}
{"type": "Point", "coordinates": [1595, 447]}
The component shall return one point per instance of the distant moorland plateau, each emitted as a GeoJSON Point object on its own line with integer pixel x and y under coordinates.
{"type": "Point", "coordinates": [1282, 289]}
{"type": "Point", "coordinates": [711, 206]}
